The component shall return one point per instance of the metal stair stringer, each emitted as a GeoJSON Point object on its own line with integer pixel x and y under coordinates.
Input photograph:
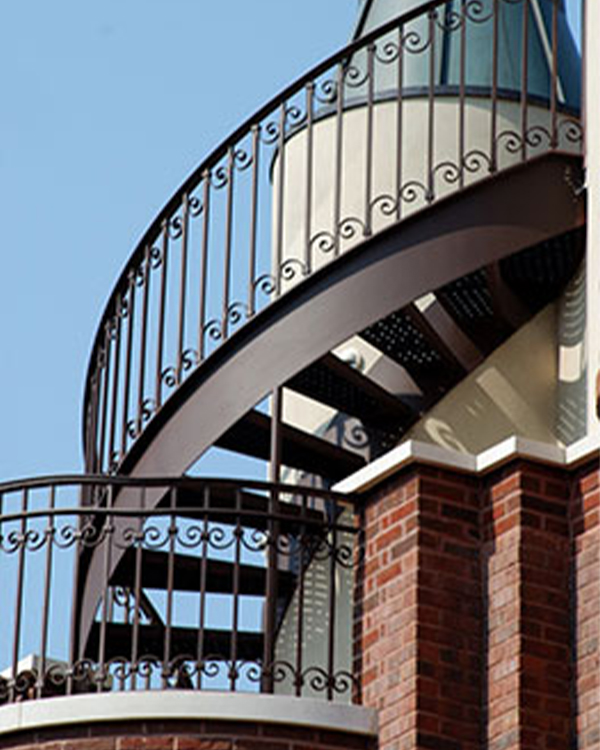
{"type": "Point", "coordinates": [515, 209]}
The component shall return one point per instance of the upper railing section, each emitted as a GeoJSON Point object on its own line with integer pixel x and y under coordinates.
{"type": "Point", "coordinates": [445, 95]}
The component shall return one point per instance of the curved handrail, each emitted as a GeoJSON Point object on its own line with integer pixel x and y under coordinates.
{"type": "Point", "coordinates": [178, 482]}
{"type": "Point", "coordinates": [294, 186]}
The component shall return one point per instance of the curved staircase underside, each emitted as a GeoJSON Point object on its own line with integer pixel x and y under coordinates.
{"type": "Point", "coordinates": [498, 226]}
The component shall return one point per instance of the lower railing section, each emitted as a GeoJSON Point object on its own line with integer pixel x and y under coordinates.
{"type": "Point", "coordinates": [238, 586]}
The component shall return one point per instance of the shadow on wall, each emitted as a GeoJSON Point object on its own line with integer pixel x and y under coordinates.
{"type": "Point", "coordinates": [514, 392]}
{"type": "Point", "coordinates": [571, 418]}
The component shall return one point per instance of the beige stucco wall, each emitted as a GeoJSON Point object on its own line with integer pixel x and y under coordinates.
{"type": "Point", "coordinates": [294, 224]}
{"type": "Point", "coordinates": [513, 392]}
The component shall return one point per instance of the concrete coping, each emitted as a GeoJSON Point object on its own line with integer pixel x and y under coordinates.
{"type": "Point", "coordinates": [414, 451]}
{"type": "Point", "coordinates": [182, 705]}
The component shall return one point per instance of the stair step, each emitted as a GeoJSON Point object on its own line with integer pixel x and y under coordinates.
{"type": "Point", "coordinates": [469, 302]}
{"type": "Point", "coordinates": [299, 450]}
{"type": "Point", "coordinates": [344, 388]}
{"type": "Point", "coordinates": [191, 502]}
{"type": "Point", "coordinates": [187, 571]}
{"type": "Point", "coordinates": [407, 338]}
{"type": "Point", "coordinates": [184, 642]}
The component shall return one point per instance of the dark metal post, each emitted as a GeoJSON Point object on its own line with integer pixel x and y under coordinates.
{"type": "Point", "coordinates": [19, 594]}
{"type": "Point", "coordinates": [273, 542]}
{"type": "Point", "coordinates": [160, 344]}
{"type": "Point", "coordinates": [41, 675]}
{"type": "Point", "coordinates": [203, 580]}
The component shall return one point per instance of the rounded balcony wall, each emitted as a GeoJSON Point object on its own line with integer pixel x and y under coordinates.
{"type": "Point", "coordinates": [374, 168]}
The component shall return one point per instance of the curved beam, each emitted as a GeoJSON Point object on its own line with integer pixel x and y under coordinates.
{"type": "Point", "coordinates": [516, 209]}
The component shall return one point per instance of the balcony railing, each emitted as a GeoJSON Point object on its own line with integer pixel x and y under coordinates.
{"type": "Point", "coordinates": [447, 94]}
{"type": "Point", "coordinates": [239, 586]}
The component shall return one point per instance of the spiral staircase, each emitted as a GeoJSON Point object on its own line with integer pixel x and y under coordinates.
{"type": "Point", "coordinates": [413, 198]}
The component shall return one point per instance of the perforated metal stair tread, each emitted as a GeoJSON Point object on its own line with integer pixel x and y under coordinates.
{"type": "Point", "coordinates": [407, 339]}
{"type": "Point", "coordinates": [344, 388]}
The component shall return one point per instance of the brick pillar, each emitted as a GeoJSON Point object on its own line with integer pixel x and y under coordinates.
{"type": "Point", "coordinates": [481, 609]}
{"type": "Point", "coordinates": [528, 634]}
{"type": "Point", "coordinates": [500, 556]}
{"type": "Point", "coordinates": [585, 510]}
{"type": "Point", "coordinates": [420, 640]}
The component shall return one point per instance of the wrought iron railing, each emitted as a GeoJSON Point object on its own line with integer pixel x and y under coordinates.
{"type": "Point", "coordinates": [225, 585]}
{"type": "Point", "coordinates": [398, 119]}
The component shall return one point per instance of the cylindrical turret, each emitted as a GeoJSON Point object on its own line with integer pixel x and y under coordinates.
{"type": "Point", "coordinates": [511, 21]}
{"type": "Point", "coordinates": [455, 92]}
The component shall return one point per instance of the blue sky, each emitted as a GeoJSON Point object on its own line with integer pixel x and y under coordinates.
{"type": "Point", "coordinates": [106, 106]}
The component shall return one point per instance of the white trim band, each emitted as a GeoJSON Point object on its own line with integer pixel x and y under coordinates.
{"type": "Point", "coordinates": [187, 705]}
{"type": "Point", "coordinates": [414, 451]}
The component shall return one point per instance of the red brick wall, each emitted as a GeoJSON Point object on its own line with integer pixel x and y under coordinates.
{"type": "Point", "coordinates": [185, 735]}
{"type": "Point", "coordinates": [421, 635]}
{"type": "Point", "coordinates": [585, 546]}
{"type": "Point", "coordinates": [480, 618]}
{"type": "Point", "coordinates": [526, 560]}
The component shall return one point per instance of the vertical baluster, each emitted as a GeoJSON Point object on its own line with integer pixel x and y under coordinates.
{"type": "Point", "coordinates": [233, 655]}
{"type": "Point", "coordinates": [170, 585]}
{"type": "Point", "coordinates": [339, 149]}
{"type": "Point", "coordinates": [462, 95]}
{"type": "Point", "coordinates": [204, 262]}
{"type": "Point", "coordinates": [41, 676]}
{"type": "Point", "coordinates": [128, 357]}
{"type": "Point", "coordinates": [228, 240]}
{"type": "Point", "coordinates": [137, 593]}
{"type": "Point", "coordinates": [273, 543]}
{"type": "Point", "coordinates": [524, 79]}
{"type": "Point", "coordinates": [75, 588]}
{"type": "Point", "coordinates": [105, 393]}
{"type": "Point", "coordinates": [280, 199]}
{"type": "Point", "coordinates": [332, 605]}
{"type": "Point", "coordinates": [145, 280]}
{"type": "Point", "coordinates": [253, 220]}
{"type": "Point", "coordinates": [369, 137]}
{"type": "Point", "coordinates": [107, 532]}
{"type": "Point", "coordinates": [275, 448]}
{"type": "Point", "coordinates": [432, 15]}
{"type": "Point", "coordinates": [91, 422]}
{"type": "Point", "coordinates": [182, 288]}
{"type": "Point", "coordinates": [162, 304]}
{"type": "Point", "coordinates": [112, 457]}
{"type": "Point", "coordinates": [16, 642]}
{"type": "Point", "coordinates": [554, 82]}
{"type": "Point", "coordinates": [358, 596]}
{"type": "Point", "coordinates": [495, 61]}
{"type": "Point", "coordinates": [270, 618]}
{"type": "Point", "coordinates": [203, 580]}
{"type": "Point", "coordinates": [302, 545]}
{"type": "Point", "coordinates": [310, 93]}
{"type": "Point", "coordinates": [399, 122]}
